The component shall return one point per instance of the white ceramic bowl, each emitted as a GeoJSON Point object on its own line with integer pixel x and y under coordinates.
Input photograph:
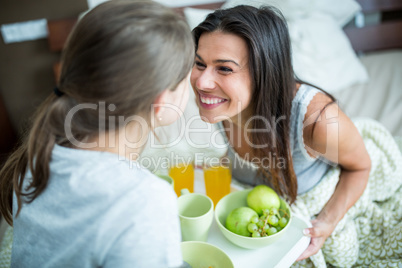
{"type": "Point", "coordinates": [239, 199]}
{"type": "Point", "coordinates": [204, 255]}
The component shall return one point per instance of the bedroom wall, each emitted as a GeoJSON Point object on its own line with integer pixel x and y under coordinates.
{"type": "Point", "coordinates": [26, 75]}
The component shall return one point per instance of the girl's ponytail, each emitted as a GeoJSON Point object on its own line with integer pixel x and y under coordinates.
{"type": "Point", "coordinates": [34, 153]}
{"type": "Point", "coordinates": [9, 175]}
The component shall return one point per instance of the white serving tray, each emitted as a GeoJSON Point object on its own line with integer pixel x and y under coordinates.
{"type": "Point", "coordinates": [281, 254]}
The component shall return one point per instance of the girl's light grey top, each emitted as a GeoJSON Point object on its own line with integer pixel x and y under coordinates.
{"type": "Point", "coordinates": [98, 211]}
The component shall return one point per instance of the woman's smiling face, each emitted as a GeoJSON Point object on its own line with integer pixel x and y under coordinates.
{"type": "Point", "coordinates": [220, 77]}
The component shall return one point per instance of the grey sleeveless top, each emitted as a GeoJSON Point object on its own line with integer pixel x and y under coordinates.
{"type": "Point", "coordinates": [309, 170]}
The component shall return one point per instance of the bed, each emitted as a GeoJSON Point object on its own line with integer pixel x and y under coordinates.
{"type": "Point", "coordinates": [359, 63]}
{"type": "Point", "coordinates": [374, 31]}
{"type": "Point", "coordinates": [365, 34]}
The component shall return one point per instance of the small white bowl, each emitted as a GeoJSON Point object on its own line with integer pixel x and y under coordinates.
{"type": "Point", "coordinates": [203, 255]}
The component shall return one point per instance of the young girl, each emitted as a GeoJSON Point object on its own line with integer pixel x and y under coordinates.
{"type": "Point", "coordinates": [72, 190]}
{"type": "Point", "coordinates": [281, 132]}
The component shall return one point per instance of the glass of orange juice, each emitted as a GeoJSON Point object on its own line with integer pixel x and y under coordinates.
{"type": "Point", "coordinates": [217, 178]}
{"type": "Point", "coordinates": [183, 176]}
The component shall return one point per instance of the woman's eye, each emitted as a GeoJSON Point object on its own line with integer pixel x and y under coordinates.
{"type": "Point", "coordinates": [225, 70]}
{"type": "Point", "coordinates": [200, 65]}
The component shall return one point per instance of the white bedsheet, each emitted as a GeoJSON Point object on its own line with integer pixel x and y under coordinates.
{"type": "Point", "coordinates": [381, 97]}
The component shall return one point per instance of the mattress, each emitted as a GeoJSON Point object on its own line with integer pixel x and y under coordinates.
{"type": "Point", "coordinates": [381, 97]}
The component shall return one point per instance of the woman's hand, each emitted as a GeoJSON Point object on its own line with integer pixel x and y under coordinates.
{"type": "Point", "coordinates": [320, 231]}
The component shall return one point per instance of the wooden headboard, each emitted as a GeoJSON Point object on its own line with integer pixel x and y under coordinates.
{"type": "Point", "coordinates": [386, 35]}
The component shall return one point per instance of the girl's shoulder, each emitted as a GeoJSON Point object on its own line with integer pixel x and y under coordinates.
{"type": "Point", "coordinates": [103, 173]}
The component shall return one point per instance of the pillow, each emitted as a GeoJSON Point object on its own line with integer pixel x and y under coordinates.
{"type": "Point", "coordinates": [321, 52]}
{"type": "Point", "coordinates": [343, 11]}
{"type": "Point", "coordinates": [195, 16]}
{"type": "Point", "coordinates": [290, 9]}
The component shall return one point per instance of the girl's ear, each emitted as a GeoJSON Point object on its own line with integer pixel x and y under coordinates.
{"type": "Point", "coordinates": [159, 107]}
{"type": "Point", "coordinates": [169, 105]}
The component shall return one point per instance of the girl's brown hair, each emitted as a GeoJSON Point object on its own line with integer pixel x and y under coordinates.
{"type": "Point", "coordinates": [122, 54]}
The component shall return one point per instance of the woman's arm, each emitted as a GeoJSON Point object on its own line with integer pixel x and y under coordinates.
{"type": "Point", "coordinates": [336, 139]}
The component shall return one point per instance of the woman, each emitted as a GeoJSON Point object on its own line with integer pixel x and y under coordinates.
{"type": "Point", "coordinates": [290, 131]}
{"type": "Point", "coordinates": [73, 190]}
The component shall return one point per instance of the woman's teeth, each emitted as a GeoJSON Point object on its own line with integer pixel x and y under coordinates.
{"type": "Point", "coordinates": [211, 100]}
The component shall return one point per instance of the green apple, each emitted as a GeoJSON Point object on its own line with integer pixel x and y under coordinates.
{"type": "Point", "coordinates": [262, 197]}
{"type": "Point", "coordinates": [238, 220]}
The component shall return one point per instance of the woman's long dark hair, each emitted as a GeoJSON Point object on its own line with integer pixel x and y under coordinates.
{"type": "Point", "coordinates": [273, 83]}
{"type": "Point", "coordinates": [123, 53]}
